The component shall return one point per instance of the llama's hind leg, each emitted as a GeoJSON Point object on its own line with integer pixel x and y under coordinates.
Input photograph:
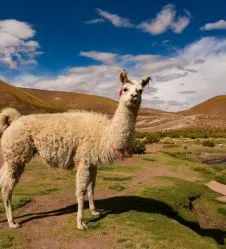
{"type": "Point", "coordinates": [9, 180]}
{"type": "Point", "coordinates": [91, 186]}
{"type": "Point", "coordinates": [82, 181]}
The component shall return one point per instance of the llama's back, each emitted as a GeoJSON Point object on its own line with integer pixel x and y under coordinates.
{"type": "Point", "coordinates": [56, 137]}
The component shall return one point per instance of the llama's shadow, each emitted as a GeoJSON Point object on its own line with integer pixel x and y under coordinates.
{"type": "Point", "coordinates": [122, 204]}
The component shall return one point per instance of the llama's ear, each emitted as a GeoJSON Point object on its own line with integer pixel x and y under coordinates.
{"type": "Point", "coordinates": [123, 76]}
{"type": "Point", "coordinates": [145, 81]}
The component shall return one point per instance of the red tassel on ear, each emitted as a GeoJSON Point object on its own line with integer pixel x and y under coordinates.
{"type": "Point", "coordinates": [120, 92]}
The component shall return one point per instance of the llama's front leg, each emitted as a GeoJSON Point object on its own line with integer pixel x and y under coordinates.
{"type": "Point", "coordinates": [91, 186]}
{"type": "Point", "coordinates": [82, 181]}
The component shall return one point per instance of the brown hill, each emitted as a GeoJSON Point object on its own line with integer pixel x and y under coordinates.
{"type": "Point", "coordinates": [22, 100]}
{"type": "Point", "coordinates": [35, 101]}
{"type": "Point", "coordinates": [213, 106]}
{"type": "Point", "coordinates": [70, 100]}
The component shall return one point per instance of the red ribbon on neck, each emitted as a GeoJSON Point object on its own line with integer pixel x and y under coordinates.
{"type": "Point", "coordinates": [120, 92]}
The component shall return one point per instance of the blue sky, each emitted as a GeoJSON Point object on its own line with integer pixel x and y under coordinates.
{"type": "Point", "coordinates": [80, 46]}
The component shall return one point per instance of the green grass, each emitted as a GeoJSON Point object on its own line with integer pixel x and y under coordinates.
{"type": "Point", "coordinates": [13, 239]}
{"type": "Point", "coordinates": [6, 241]}
{"type": "Point", "coordinates": [117, 187]}
{"type": "Point", "coordinates": [222, 210]}
{"type": "Point", "coordinates": [117, 178]}
{"type": "Point", "coordinates": [42, 181]}
{"type": "Point", "coordinates": [118, 168]}
{"type": "Point", "coordinates": [221, 179]}
{"type": "Point", "coordinates": [204, 170]}
{"type": "Point", "coordinates": [150, 159]}
{"type": "Point", "coordinates": [48, 191]}
{"type": "Point", "coordinates": [190, 158]}
{"type": "Point", "coordinates": [192, 134]}
{"type": "Point", "coordinates": [159, 218]}
{"type": "Point", "coordinates": [169, 214]}
{"type": "Point", "coordinates": [174, 162]}
{"type": "Point", "coordinates": [21, 201]}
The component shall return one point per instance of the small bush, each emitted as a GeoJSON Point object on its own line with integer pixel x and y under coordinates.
{"type": "Point", "coordinates": [175, 134]}
{"type": "Point", "coordinates": [148, 137]}
{"type": "Point", "coordinates": [139, 147]}
{"type": "Point", "coordinates": [208, 143]}
{"type": "Point", "coordinates": [152, 138]}
{"type": "Point", "coordinates": [193, 134]}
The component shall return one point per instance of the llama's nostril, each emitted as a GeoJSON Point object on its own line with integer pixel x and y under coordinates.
{"type": "Point", "coordinates": [133, 95]}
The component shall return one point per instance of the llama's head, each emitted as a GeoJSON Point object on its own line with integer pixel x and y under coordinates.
{"type": "Point", "coordinates": [131, 91]}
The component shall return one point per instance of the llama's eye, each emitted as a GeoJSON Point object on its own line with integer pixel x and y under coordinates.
{"type": "Point", "coordinates": [125, 89]}
{"type": "Point", "coordinates": [140, 91]}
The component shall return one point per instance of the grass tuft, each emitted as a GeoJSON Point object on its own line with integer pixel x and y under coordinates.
{"type": "Point", "coordinates": [117, 178]}
{"type": "Point", "coordinates": [6, 241]}
{"type": "Point", "coordinates": [117, 187]}
{"type": "Point", "coordinates": [21, 202]}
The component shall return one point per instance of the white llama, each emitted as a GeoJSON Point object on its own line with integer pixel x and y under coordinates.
{"type": "Point", "coordinates": [68, 140]}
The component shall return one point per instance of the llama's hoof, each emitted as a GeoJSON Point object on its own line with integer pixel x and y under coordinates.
{"type": "Point", "coordinates": [82, 226]}
{"type": "Point", "coordinates": [14, 225]}
{"type": "Point", "coordinates": [95, 213]}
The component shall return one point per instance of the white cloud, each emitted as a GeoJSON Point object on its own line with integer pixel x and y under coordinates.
{"type": "Point", "coordinates": [95, 21]}
{"type": "Point", "coordinates": [161, 22]}
{"type": "Point", "coordinates": [164, 20]}
{"type": "Point", "coordinates": [221, 24]}
{"type": "Point", "coordinates": [16, 46]}
{"type": "Point", "coordinates": [179, 25]}
{"type": "Point", "coordinates": [16, 28]}
{"type": "Point", "coordinates": [115, 19]}
{"type": "Point", "coordinates": [100, 56]}
{"type": "Point", "coordinates": [198, 69]}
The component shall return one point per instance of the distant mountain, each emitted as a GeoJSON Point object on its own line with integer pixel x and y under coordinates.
{"type": "Point", "coordinates": [215, 105]}
{"type": "Point", "coordinates": [24, 101]}
{"type": "Point", "coordinates": [71, 100]}
{"type": "Point", "coordinates": [41, 101]}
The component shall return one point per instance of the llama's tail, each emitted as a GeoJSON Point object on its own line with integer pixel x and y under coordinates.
{"type": "Point", "coordinates": [7, 116]}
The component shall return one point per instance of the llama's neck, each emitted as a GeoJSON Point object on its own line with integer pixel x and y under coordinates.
{"type": "Point", "coordinates": [121, 127]}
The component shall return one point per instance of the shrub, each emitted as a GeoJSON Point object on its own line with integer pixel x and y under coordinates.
{"type": "Point", "coordinates": [192, 133]}
{"type": "Point", "coordinates": [148, 137]}
{"type": "Point", "coordinates": [175, 134]}
{"type": "Point", "coordinates": [139, 147]}
{"type": "Point", "coordinates": [151, 138]}
{"type": "Point", "coordinates": [208, 143]}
